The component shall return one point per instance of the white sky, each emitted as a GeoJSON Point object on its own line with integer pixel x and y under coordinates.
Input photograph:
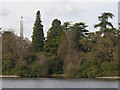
{"type": "Point", "coordinates": [74, 11]}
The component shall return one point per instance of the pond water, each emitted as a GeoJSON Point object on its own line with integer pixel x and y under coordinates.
{"type": "Point", "coordinates": [57, 83]}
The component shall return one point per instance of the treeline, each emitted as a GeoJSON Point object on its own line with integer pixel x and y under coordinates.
{"type": "Point", "coordinates": [68, 49]}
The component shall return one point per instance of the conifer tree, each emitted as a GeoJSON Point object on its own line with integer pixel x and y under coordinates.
{"type": "Point", "coordinates": [104, 21]}
{"type": "Point", "coordinates": [53, 37]}
{"type": "Point", "coordinates": [38, 34]}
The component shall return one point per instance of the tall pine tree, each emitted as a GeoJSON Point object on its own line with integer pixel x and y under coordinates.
{"type": "Point", "coordinates": [53, 37]}
{"type": "Point", "coordinates": [38, 34]}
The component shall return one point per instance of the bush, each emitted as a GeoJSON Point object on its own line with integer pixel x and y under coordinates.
{"type": "Point", "coordinates": [42, 64]}
{"type": "Point", "coordinates": [109, 69]}
{"type": "Point", "coordinates": [56, 65]}
{"type": "Point", "coordinates": [21, 70]}
{"type": "Point", "coordinates": [7, 65]}
{"type": "Point", "coordinates": [89, 69]}
{"type": "Point", "coordinates": [71, 70]}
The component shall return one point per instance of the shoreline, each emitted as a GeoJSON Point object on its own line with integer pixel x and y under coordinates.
{"type": "Point", "coordinates": [57, 76]}
{"type": "Point", "coordinates": [115, 77]}
{"type": "Point", "coordinates": [9, 76]}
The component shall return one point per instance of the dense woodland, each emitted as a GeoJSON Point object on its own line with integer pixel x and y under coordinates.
{"type": "Point", "coordinates": [69, 50]}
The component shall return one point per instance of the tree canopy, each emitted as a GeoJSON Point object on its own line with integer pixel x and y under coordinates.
{"type": "Point", "coordinates": [69, 50]}
{"type": "Point", "coordinates": [38, 34]}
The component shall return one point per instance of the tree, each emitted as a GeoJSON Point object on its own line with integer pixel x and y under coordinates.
{"type": "Point", "coordinates": [80, 33]}
{"type": "Point", "coordinates": [104, 21]}
{"type": "Point", "coordinates": [53, 37]}
{"type": "Point", "coordinates": [11, 51]}
{"type": "Point", "coordinates": [38, 34]}
{"type": "Point", "coordinates": [43, 64]}
{"type": "Point", "coordinates": [66, 26]}
{"type": "Point", "coordinates": [80, 30]}
{"type": "Point", "coordinates": [69, 49]}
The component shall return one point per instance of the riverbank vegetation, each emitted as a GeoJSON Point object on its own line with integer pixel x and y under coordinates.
{"type": "Point", "coordinates": [69, 50]}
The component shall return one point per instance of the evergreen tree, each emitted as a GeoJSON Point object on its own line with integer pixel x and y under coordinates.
{"type": "Point", "coordinates": [104, 22]}
{"type": "Point", "coordinates": [53, 37]}
{"type": "Point", "coordinates": [80, 30]}
{"type": "Point", "coordinates": [38, 34]}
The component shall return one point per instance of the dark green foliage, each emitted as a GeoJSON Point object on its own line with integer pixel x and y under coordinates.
{"type": "Point", "coordinates": [56, 65]}
{"type": "Point", "coordinates": [7, 66]}
{"type": "Point", "coordinates": [66, 26]}
{"type": "Point", "coordinates": [80, 33]}
{"type": "Point", "coordinates": [53, 37]}
{"type": "Point", "coordinates": [104, 21]}
{"type": "Point", "coordinates": [30, 57]}
{"type": "Point", "coordinates": [80, 30]}
{"type": "Point", "coordinates": [38, 34]}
